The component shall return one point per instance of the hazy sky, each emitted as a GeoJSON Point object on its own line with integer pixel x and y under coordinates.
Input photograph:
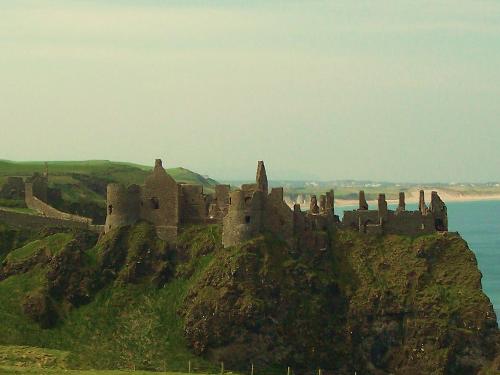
{"type": "Point", "coordinates": [386, 90]}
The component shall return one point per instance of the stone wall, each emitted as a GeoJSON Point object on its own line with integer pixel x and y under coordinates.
{"type": "Point", "coordinates": [194, 204]}
{"type": "Point", "coordinates": [220, 203]}
{"type": "Point", "coordinates": [277, 216]}
{"type": "Point", "coordinates": [413, 223]}
{"type": "Point", "coordinates": [48, 211]}
{"type": "Point", "coordinates": [37, 186]}
{"type": "Point", "coordinates": [123, 206]}
{"type": "Point", "coordinates": [37, 222]}
{"type": "Point", "coordinates": [160, 198]}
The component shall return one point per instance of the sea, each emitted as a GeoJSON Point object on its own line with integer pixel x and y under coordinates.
{"type": "Point", "coordinates": [478, 222]}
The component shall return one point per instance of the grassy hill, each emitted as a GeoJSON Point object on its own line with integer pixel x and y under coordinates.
{"type": "Point", "coordinates": [122, 172]}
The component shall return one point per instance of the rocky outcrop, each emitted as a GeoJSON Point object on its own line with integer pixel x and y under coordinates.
{"type": "Point", "coordinates": [371, 305]}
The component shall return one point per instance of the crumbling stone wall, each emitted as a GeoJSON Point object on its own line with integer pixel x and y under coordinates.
{"type": "Point", "coordinates": [48, 211]}
{"type": "Point", "coordinates": [17, 219]}
{"type": "Point", "coordinates": [194, 204]}
{"type": "Point", "coordinates": [423, 221]}
{"type": "Point", "coordinates": [220, 203]}
{"type": "Point", "coordinates": [37, 186]}
{"type": "Point", "coordinates": [439, 212]}
{"type": "Point", "coordinates": [36, 191]}
{"type": "Point", "coordinates": [277, 215]}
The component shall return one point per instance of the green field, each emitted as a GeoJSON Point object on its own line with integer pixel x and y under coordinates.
{"type": "Point", "coordinates": [34, 360]}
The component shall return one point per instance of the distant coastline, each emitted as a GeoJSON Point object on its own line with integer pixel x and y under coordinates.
{"type": "Point", "coordinates": [412, 198]}
{"type": "Point", "coordinates": [450, 198]}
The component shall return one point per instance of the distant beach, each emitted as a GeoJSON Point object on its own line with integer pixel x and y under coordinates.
{"type": "Point", "coordinates": [411, 198]}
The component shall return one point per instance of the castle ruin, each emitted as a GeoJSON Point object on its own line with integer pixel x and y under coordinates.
{"type": "Point", "coordinates": [425, 220]}
{"type": "Point", "coordinates": [244, 213]}
{"type": "Point", "coordinates": [253, 210]}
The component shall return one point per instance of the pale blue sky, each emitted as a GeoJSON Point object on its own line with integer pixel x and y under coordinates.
{"type": "Point", "coordinates": [384, 90]}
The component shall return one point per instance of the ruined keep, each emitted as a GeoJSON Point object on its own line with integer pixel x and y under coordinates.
{"type": "Point", "coordinates": [425, 220]}
{"type": "Point", "coordinates": [163, 202]}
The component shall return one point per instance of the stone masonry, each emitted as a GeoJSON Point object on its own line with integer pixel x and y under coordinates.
{"type": "Point", "coordinates": [425, 220]}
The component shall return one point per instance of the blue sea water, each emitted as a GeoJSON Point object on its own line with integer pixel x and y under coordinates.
{"type": "Point", "coordinates": [479, 224]}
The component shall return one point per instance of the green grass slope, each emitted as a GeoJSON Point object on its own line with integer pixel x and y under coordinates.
{"type": "Point", "coordinates": [128, 324]}
{"type": "Point", "coordinates": [121, 172]}
{"type": "Point", "coordinates": [33, 360]}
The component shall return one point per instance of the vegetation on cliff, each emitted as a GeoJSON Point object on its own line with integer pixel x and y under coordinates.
{"type": "Point", "coordinates": [368, 304]}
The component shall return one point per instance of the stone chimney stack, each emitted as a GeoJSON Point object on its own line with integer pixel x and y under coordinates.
{"type": "Point", "coordinates": [382, 207]}
{"type": "Point", "coordinates": [46, 171]}
{"type": "Point", "coordinates": [330, 202]}
{"type": "Point", "coordinates": [363, 205]}
{"type": "Point", "coordinates": [261, 177]}
{"type": "Point", "coordinates": [421, 203]}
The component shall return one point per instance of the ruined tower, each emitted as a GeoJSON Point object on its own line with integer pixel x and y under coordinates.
{"type": "Point", "coordinates": [439, 212]}
{"type": "Point", "coordinates": [253, 211]}
{"type": "Point", "coordinates": [123, 206]}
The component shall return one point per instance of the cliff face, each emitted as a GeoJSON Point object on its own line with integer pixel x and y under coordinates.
{"type": "Point", "coordinates": [369, 304]}
{"type": "Point", "coordinates": [375, 305]}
